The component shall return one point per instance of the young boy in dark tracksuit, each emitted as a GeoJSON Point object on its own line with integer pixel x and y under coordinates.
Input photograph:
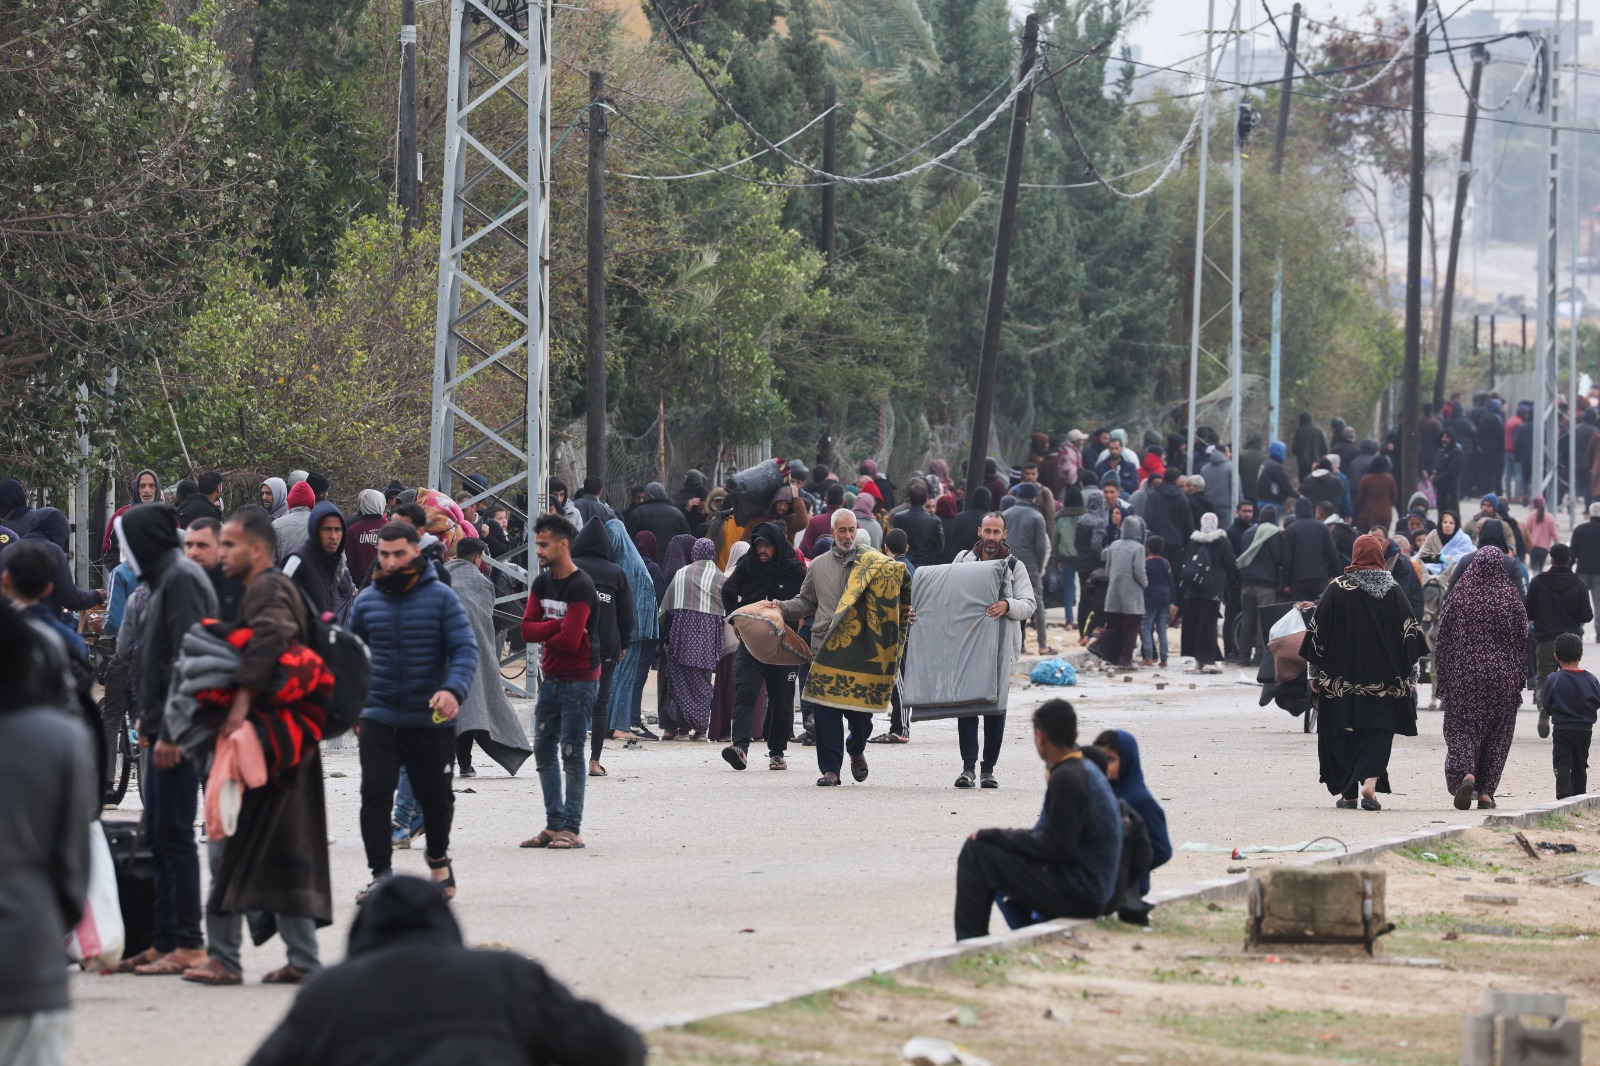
{"type": "Point", "coordinates": [1571, 696]}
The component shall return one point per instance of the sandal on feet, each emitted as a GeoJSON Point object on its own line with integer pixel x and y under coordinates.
{"type": "Point", "coordinates": [1464, 792]}
{"type": "Point", "coordinates": [170, 965]}
{"type": "Point", "coordinates": [447, 884]}
{"type": "Point", "coordinates": [735, 757]}
{"type": "Point", "coordinates": [598, 771]}
{"type": "Point", "coordinates": [148, 955]}
{"type": "Point", "coordinates": [361, 897]}
{"type": "Point", "coordinates": [541, 841]}
{"type": "Point", "coordinates": [777, 762]}
{"type": "Point", "coordinates": [1486, 803]}
{"type": "Point", "coordinates": [566, 841]}
{"type": "Point", "coordinates": [889, 738]}
{"type": "Point", "coordinates": [1346, 803]}
{"type": "Point", "coordinates": [212, 972]}
{"type": "Point", "coordinates": [285, 975]}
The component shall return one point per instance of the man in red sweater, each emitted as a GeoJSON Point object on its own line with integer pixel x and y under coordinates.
{"type": "Point", "coordinates": [562, 614]}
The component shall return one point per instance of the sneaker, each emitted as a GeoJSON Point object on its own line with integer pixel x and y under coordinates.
{"type": "Point", "coordinates": [987, 781]}
{"type": "Point", "coordinates": [400, 837]}
{"type": "Point", "coordinates": [643, 732]}
{"type": "Point", "coordinates": [966, 780]}
{"type": "Point", "coordinates": [776, 762]}
{"type": "Point", "coordinates": [468, 772]}
{"type": "Point", "coordinates": [735, 757]}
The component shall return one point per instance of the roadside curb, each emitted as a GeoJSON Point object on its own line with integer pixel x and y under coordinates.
{"type": "Point", "coordinates": [927, 964]}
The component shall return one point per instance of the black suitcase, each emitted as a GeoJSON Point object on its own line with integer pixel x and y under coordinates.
{"type": "Point", "coordinates": [136, 884]}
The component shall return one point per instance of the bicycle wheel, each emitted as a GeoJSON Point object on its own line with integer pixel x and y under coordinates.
{"type": "Point", "coordinates": [119, 757]}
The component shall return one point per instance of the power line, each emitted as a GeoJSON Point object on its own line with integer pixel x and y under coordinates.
{"type": "Point", "coordinates": [1535, 59]}
{"type": "Point", "coordinates": [1024, 79]}
{"type": "Point", "coordinates": [1346, 90]}
{"type": "Point", "coordinates": [712, 168]}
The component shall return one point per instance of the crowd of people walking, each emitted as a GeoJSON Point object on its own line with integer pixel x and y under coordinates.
{"type": "Point", "coordinates": [212, 616]}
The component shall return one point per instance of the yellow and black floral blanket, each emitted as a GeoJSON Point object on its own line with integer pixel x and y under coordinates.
{"type": "Point", "coordinates": [854, 670]}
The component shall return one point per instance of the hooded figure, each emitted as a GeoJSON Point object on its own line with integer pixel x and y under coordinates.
{"type": "Point", "coordinates": [146, 489]}
{"type": "Point", "coordinates": [864, 506]}
{"type": "Point", "coordinates": [408, 982]}
{"type": "Point", "coordinates": [591, 553]}
{"type": "Point", "coordinates": [627, 683]}
{"type": "Point", "coordinates": [323, 575]}
{"type": "Point", "coordinates": [49, 528]}
{"type": "Point", "coordinates": [753, 580]}
{"type": "Point", "coordinates": [1130, 788]}
{"type": "Point", "coordinates": [1126, 581]}
{"type": "Point", "coordinates": [361, 536]}
{"type": "Point", "coordinates": [14, 510]}
{"type": "Point", "coordinates": [963, 532]}
{"type": "Point", "coordinates": [291, 529]}
{"type": "Point", "coordinates": [280, 497]}
{"type": "Point", "coordinates": [1491, 534]}
{"type": "Point", "coordinates": [657, 515]}
{"type": "Point", "coordinates": [694, 644]}
{"type": "Point", "coordinates": [1308, 445]}
{"type": "Point", "coordinates": [486, 714]}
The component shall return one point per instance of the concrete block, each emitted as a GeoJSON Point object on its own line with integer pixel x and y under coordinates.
{"type": "Point", "coordinates": [1560, 1044]}
{"type": "Point", "coordinates": [1524, 1004]}
{"type": "Point", "coordinates": [1308, 904]}
{"type": "Point", "coordinates": [1477, 1040]}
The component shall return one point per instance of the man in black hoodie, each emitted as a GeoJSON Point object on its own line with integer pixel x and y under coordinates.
{"type": "Point", "coordinates": [658, 515]}
{"type": "Point", "coordinates": [769, 571]}
{"type": "Point", "coordinates": [963, 532]}
{"type": "Point", "coordinates": [591, 553]}
{"type": "Point", "coordinates": [410, 991]}
{"type": "Point", "coordinates": [924, 532]}
{"type": "Point", "coordinates": [204, 502]}
{"type": "Point", "coordinates": [1310, 559]}
{"type": "Point", "coordinates": [1558, 602]}
{"type": "Point", "coordinates": [177, 594]}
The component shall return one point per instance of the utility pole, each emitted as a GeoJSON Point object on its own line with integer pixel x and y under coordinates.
{"type": "Point", "coordinates": [594, 451]}
{"type": "Point", "coordinates": [830, 230]}
{"type": "Point", "coordinates": [989, 356]}
{"type": "Point", "coordinates": [1236, 335]}
{"type": "Point", "coordinates": [1480, 56]}
{"type": "Point", "coordinates": [1411, 379]}
{"type": "Point", "coordinates": [1546, 360]}
{"type": "Point", "coordinates": [408, 164]}
{"type": "Point", "coordinates": [1572, 346]}
{"type": "Point", "coordinates": [1200, 234]}
{"type": "Point", "coordinates": [1284, 95]}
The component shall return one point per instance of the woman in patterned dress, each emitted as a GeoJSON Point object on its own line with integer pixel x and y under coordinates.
{"type": "Point", "coordinates": [1480, 662]}
{"type": "Point", "coordinates": [1362, 647]}
{"type": "Point", "coordinates": [694, 604]}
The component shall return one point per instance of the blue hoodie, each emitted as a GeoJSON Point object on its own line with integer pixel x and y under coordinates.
{"type": "Point", "coordinates": [1131, 789]}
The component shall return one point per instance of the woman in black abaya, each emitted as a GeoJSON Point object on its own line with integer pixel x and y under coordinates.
{"type": "Point", "coordinates": [1362, 647]}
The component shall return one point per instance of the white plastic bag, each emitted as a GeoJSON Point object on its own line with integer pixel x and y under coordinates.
{"type": "Point", "coordinates": [1287, 626]}
{"type": "Point", "coordinates": [96, 942]}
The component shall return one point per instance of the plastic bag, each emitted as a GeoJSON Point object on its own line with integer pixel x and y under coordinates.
{"type": "Point", "coordinates": [1287, 626]}
{"type": "Point", "coordinates": [96, 941]}
{"type": "Point", "coordinates": [1053, 672]}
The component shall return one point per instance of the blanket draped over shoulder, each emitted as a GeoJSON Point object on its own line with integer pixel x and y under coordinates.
{"type": "Point", "coordinates": [854, 670]}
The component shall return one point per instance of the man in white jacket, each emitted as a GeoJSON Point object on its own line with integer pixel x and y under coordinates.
{"type": "Point", "coordinates": [1017, 603]}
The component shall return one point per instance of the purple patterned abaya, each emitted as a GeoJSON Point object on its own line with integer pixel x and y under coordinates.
{"type": "Point", "coordinates": [694, 645]}
{"type": "Point", "coordinates": [1480, 663]}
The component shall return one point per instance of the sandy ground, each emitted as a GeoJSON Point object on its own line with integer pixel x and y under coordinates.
{"type": "Point", "coordinates": [1187, 990]}
{"type": "Point", "coordinates": [702, 888]}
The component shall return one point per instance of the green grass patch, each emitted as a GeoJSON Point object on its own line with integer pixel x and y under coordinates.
{"type": "Point", "coordinates": [985, 968]}
{"type": "Point", "coordinates": [1450, 855]}
{"type": "Point", "coordinates": [1555, 823]}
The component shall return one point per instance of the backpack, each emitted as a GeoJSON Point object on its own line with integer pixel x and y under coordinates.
{"type": "Point", "coordinates": [348, 660]}
{"type": "Point", "coordinates": [1133, 866]}
{"type": "Point", "coordinates": [1196, 570]}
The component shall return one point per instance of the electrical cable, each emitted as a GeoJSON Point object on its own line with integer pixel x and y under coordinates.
{"type": "Point", "coordinates": [1024, 79]}
{"type": "Point", "coordinates": [712, 168]}
{"type": "Point", "coordinates": [1346, 90]}
{"type": "Point", "coordinates": [1534, 60]}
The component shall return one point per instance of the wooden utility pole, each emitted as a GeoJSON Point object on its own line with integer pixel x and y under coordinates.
{"type": "Point", "coordinates": [830, 230]}
{"type": "Point", "coordinates": [594, 452]}
{"type": "Point", "coordinates": [989, 355]}
{"type": "Point", "coordinates": [1480, 56]}
{"type": "Point", "coordinates": [408, 178]}
{"type": "Point", "coordinates": [1411, 378]}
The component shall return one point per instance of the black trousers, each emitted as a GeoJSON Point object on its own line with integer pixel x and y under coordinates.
{"type": "Point", "coordinates": [899, 714]}
{"type": "Point", "coordinates": [1569, 754]}
{"type": "Point", "coordinates": [994, 734]}
{"type": "Point", "coordinates": [429, 756]}
{"type": "Point", "coordinates": [831, 742]}
{"type": "Point", "coordinates": [749, 674]}
{"type": "Point", "coordinates": [985, 868]}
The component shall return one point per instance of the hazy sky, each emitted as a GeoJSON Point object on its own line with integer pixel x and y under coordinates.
{"type": "Point", "coordinates": [1175, 29]}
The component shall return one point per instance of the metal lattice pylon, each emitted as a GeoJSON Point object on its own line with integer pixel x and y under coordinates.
{"type": "Point", "coordinates": [491, 361]}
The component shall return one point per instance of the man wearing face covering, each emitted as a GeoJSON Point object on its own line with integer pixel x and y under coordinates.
{"type": "Point", "coordinates": [175, 595]}
{"type": "Point", "coordinates": [769, 571]}
{"type": "Point", "coordinates": [409, 990]}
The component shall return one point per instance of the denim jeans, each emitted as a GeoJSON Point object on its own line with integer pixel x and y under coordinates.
{"type": "Point", "coordinates": [1069, 586]}
{"type": "Point", "coordinates": [1153, 626]}
{"type": "Point", "coordinates": [171, 799]}
{"type": "Point", "coordinates": [406, 808]}
{"type": "Point", "coordinates": [560, 723]}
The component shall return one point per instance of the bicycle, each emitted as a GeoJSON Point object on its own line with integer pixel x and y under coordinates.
{"type": "Point", "coordinates": [119, 733]}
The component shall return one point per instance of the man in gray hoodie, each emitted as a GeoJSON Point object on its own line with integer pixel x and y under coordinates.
{"type": "Point", "coordinates": [1218, 472]}
{"type": "Point", "coordinates": [1029, 538]}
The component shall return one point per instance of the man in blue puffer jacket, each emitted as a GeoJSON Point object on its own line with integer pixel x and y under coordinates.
{"type": "Point", "coordinates": [424, 660]}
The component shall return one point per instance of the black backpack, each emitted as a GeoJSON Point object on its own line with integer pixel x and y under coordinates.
{"type": "Point", "coordinates": [1196, 570]}
{"type": "Point", "coordinates": [348, 660]}
{"type": "Point", "coordinates": [1134, 865]}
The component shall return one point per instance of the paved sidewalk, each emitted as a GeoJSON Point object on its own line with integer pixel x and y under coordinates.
{"type": "Point", "coordinates": [702, 887]}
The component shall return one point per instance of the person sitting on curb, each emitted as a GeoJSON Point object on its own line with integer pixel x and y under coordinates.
{"type": "Point", "coordinates": [1067, 865]}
